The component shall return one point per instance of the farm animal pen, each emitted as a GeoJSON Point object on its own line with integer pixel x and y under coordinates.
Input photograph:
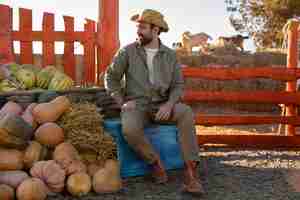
{"type": "Point", "coordinates": [101, 44]}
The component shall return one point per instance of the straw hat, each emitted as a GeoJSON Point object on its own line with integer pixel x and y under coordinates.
{"type": "Point", "coordinates": [151, 17]}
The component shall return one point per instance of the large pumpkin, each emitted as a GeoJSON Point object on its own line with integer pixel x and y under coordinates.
{"type": "Point", "coordinates": [79, 184]}
{"type": "Point", "coordinates": [51, 173]}
{"type": "Point", "coordinates": [11, 159]}
{"type": "Point", "coordinates": [76, 166]}
{"type": "Point", "coordinates": [51, 111]}
{"type": "Point", "coordinates": [49, 134]}
{"type": "Point", "coordinates": [6, 192]}
{"type": "Point", "coordinates": [26, 77]}
{"type": "Point", "coordinates": [60, 81]}
{"type": "Point", "coordinates": [32, 189]}
{"type": "Point", "coordinates": [45, 76]}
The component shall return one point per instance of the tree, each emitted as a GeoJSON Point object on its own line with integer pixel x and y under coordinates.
{"type": "Point", "coordinates": [263, 20]}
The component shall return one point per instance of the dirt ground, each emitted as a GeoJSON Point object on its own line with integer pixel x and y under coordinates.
{"type": "Point", "coordinates": [226, 174]}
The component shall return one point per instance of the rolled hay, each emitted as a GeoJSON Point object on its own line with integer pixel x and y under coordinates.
{"type": "Point", "coordinates": [82, 126]}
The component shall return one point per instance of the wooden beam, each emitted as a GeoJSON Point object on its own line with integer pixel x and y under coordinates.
{"type": "Point", "coordinates": [48, 46]}
{"type": "Point", "coordinates": [6, 42]}
{"type": "Point", "coordinates": [243, 97]}
{"type": "Point", "coordinates": [25, 21]}
{"type": "Point", "coordinates": [275, 73]}
{"type": "Point", "coordinates": [251, 141]}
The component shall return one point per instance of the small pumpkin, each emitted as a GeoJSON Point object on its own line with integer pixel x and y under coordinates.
{"type": "Point", "coordinates": [93, 168]}
{"type": "Point", "coordinates": [13, 178]}
{"type": "Point", "coordinates": [32, 189]}
{"type": "Point", "coordinates": [51, 173]}
{"type": "Point", "coordinates": [79, 184]}
{"type": "Point", "coordinates": [60, 81]}
{"type": "Point", "coordinates": [49, 134]}
{"type": "Point", "coordinates": [6, 192]}
{"type": "Point", "coordinates": [28, 117]}
{"type": "Point", "coordinates": [33, 153]}
{"type": "Point", "coordinates": [26, 77]}
{"type": "Point", "coordinates": [51, 111]}
{"type": "Point", "coordinates": [107, 179]}
{"type": "Point", "coordinates": [11, 159]}
{"type": "Point", "coordinates": [44, 76]}
{"type": "Point", "coordinates": [76, 166]}
{"type": "Point", "coordinates": [65, 153]}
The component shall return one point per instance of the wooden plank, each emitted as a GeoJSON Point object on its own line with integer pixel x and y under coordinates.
{"type": "Point", "coordinates": [48, 46]}
{"type": "Point", "coordinates": [251, 141]}
{"type": "Point", "coordinates": [25, 24]}
{"type": "Point", "coordinates": [214, 120]}
{"type": "Point", "coordinates": [6, 42]}
{"type": "Point", "coordinates": [275, 73]}
{"type": "Point", "coordinates": [292, 61]}
{"type": "Point", "coordinates": [69, 57]}
{"type": "Point", "coordinates": [59, 36]}
{"type": "Point", "coordinates": [243, 97]}
{"type": "Point", "coordinates": [89, 52]}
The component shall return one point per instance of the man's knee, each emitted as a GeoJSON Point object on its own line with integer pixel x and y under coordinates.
{"type": "Point", "coordinates": [132, 126]}
{"type": "Point", "coordinates": [183, 110]}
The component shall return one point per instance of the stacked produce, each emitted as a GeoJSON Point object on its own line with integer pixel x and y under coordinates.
{"type": "Point", "coordinates": [14, 77]}
{"type": "Point", "coordinates": [38, 157]}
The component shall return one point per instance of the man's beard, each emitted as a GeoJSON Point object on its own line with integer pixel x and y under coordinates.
{"type": "Point", "coordinates": [144, 40]}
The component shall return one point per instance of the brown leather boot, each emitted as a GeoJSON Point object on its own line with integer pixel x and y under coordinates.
{"type": "Point", "coordinates": [159, 173]}
{"type": "Point", "coordinates": [191, 180]}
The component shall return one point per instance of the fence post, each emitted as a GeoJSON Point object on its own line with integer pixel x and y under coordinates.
{"type": "Point", "coordinates": [292, 64]}
{"type": "Point", "coordinates": [6, 43]}
{"type": "Point", "coordinates": [107, 34]}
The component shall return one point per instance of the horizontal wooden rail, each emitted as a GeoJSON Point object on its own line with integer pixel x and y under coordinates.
{"type": "Point", "coordinates": [275, 73]}
{"type": "Point", "coordinates": [210, 120]}
{"type": "Point", "coordinates": [243, 97]}
{"type": "Point", "coordinates": [56, 36]}
{"type": "Point", "coordinates": [256, 141]}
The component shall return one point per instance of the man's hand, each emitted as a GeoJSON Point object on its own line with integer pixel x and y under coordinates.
{"type": "Point", "coordinates": [164, 112]}
{"type": "Point", "coordinates": [129, 105]}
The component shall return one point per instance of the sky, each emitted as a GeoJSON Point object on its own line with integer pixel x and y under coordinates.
{"type": "Point", "coordinates": [207, 16]}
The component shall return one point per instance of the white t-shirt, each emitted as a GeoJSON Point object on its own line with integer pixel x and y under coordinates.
{"type": "Point", "coordinates": [150, 55]}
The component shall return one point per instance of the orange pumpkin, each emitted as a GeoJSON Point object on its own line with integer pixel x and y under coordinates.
{"type": "Point", "coordinates": [75, 167]}
{"type": "Point", "coordinates": [49, 134]}
{"type": "Point", "coordinates": [11, 159]}
{"type": "Point", "coordinates": [33, 153]}
{"type": "Point", "coordinates": [32, 189]}
{"type": "Point", "coordinates": [107, 179]}
{"type": "Point", "coordinates": [51, 111]}
{"type": "Point", "coordinates": [51, 173]}
{"type": "Point", "coordinates": [6, 192]}
{"type": "Point", "coordinates": [65, 153]}
{"type": "Point", "coordinates": [93, 168]}
{"type": "Point", "coordinates": [79, 184]}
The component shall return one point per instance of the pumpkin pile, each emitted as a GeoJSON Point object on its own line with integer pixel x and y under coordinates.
{"type": "Point", "coordinates": [15, 77]}
{"type": "Point", "coordinates": [40, 157]}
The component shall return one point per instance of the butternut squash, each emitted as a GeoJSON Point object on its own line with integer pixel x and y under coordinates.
{"type": "Point", "coordinates": [92, 169]}
{"type": "Point", "coordinates": [51, 111]}
{"type": "Point", "coordinates": [76, 166]}
{"type": "Point", "coordinates": [32, 189]}
{"type": "Point", "coordinates": [107, 179]}
{"type": "Point", "coordinates": [11, 159]}
{"type": "Point", "coordinates": [6, 192]}
{"type": "Point", "coordinates": [79, 184]}
{"type": "Point", "coordinates": [64, 154]}
{"type": "Point", "coordinates": [49, 134]}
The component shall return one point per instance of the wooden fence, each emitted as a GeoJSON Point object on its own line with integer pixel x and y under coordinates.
{"type": "Point", "coordinates": [290, 98]}
{"type": "Point", "coordinates": [92, 40]}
